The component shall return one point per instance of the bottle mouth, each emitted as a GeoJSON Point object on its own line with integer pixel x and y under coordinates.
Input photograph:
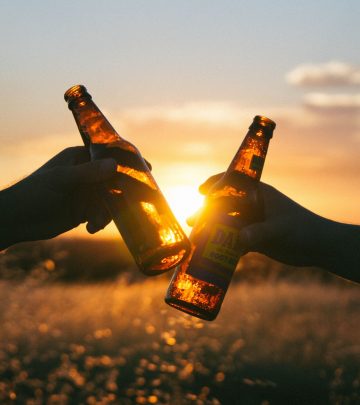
{"type": "Point", "coordinates": [74, 92]}
{"type": "Point", "coordinates": [264, 121]}
{"type": "Point", "coordinates": [266, 124]}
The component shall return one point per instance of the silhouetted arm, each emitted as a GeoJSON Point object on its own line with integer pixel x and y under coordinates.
{"type": "Point", "coordinates": [55, 198]}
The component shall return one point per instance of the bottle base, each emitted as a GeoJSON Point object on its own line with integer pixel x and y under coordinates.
{"type": "Point", "coordinates": [191, 309]}
{"type": "Point", "coordinates": [157, 264]}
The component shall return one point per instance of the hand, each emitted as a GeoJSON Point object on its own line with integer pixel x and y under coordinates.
{"type": "Point", "coordinates": [294, 235]}
{"type": "Point", "coordinates": [55, 198]}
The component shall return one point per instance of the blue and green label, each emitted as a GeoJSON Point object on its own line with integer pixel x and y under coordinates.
{"type": "Point", "coordinates": [217, 253]}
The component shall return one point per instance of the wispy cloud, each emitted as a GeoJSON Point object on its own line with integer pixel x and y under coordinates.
{"type": "Point", "coordinates": [206, 112]}
{"type": "Point", "coordinates": [326, 74]}
{"type": "Point", "coordinates": [334, 102]}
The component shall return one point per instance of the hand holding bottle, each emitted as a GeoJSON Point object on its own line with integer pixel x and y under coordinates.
{"type": "Point", "coordinates": [144, 219]}
{"type": "Point", "coordinates": [296, 236]}
{"type": "Point", "coordinates": [199, 284]}
{"type": "Point", "coordinates": [55, 198]}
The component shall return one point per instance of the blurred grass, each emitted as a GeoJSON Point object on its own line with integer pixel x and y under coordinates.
{"type": "Point", "coordinates": [283, 336]}
{"type": "Point", "coordinates": [93, 260]}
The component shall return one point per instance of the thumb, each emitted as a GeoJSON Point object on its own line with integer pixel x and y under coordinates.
{"type": "Point", "coordinates": [69, 177]}
{"type": "Point", "coordinates": [205, 187]}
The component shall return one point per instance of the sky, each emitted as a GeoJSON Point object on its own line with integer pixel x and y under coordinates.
{"type": "Point", "coordinates": [182, 80]}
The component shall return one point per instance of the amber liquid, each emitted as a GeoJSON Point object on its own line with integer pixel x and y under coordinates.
{"type": "Point", "coordinates": [194, 296]}
{"type": "Point", "coordinates": [141, 213]}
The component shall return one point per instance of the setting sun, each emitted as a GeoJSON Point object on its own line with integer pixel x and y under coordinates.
{"type": "Point", "coordinates": [184, 201]}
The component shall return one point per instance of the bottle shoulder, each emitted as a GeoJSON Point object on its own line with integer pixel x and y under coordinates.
{"type": "Point", "coordinates": [123, 145]}
{"type": "Point", "coordinates": [120, 145]}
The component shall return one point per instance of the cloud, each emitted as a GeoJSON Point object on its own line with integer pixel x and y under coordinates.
{"type": "Point", "coordinates": [212, 113]}
{"type": "Point", "coordinates": [327, 74]}
{"type": "Point", "coordinates": [333, 102]}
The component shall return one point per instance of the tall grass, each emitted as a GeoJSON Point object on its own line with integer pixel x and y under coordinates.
{"type": "Point", "coordinates": [119, 343]}
{"type": "Point", "coordinates": [277, 340]}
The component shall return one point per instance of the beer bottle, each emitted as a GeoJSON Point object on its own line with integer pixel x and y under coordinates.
{"type": "Point", "coordinates": [133, 199]}
{"type": "Point", "coordinates": [199, 284]}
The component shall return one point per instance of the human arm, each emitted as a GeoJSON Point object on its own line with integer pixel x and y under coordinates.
{"type": "Point", "coordinates": [55, 198]}
{"type": "Point", "coordinates": [294, 235]}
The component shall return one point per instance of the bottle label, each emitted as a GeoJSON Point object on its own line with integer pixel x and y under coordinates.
{"type": "Point", "coordinates": [218, 249]}
{"type": "Point", "coordinates": [223, 245]}
{"type": "Point", "coordinates": [257, 162]}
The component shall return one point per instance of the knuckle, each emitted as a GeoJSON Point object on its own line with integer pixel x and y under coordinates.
{"type": "Point", "coordinates": [73, 151]}
{"type": "Point", "coordinates": [266, 188]}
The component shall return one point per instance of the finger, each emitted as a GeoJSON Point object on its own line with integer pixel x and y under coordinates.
{"type": "Point", "coordinates": [148, 164]}
{"type": "Point", "coordinates": [255, 236]}
{"type": "Point", "coordinates": [137, 189]}
{"type": "Point", "coordinates": [252, 235]}
{"type": "Point", "coordinates": [191, 220]}
{"type": "Point", "coordinates": [97, 215]}
{"type": "Point", "coordinates": [205, 187]}
{"type": "Point", "coordinates": [98, 223]}
{"type": "Point", "coordinates": [67, 157]}
{"type": "Point", "coordinates": [70, 177]}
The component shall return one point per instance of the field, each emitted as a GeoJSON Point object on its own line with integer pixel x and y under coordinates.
{"type": "Point", "coordinates": [77, 328]}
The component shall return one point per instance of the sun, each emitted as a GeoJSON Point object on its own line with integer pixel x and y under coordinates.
{"type": "Point", "coordinates": [184, 201]}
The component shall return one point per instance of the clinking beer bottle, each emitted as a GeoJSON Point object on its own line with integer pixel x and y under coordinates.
{"type": "Point", "coordinates": [134, 200]}
{"type": "Point", "coordinates": [199, 284]}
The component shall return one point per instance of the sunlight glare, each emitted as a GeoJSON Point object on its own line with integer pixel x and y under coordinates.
{"type": "Point", "coordinates": [184, 201]}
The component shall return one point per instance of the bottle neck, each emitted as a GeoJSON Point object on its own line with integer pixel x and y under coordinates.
{"type": "Point", "coordinates": [250, 157]}
{"type": "Point", "coordinates": [93, 125]}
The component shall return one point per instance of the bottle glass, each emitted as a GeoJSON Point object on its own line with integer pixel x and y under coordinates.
{"type": "Point", "coordinates": [133, 198]}
{"type": "Point", "coordinates": [199, 284]}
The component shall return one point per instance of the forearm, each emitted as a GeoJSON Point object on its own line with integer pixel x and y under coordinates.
{"type": "Point", "coordinates": [7, 237]}
{"type": "Point", "coordinates": [10, 221]}
{"type": "Point", "coordinates": [340, 250]}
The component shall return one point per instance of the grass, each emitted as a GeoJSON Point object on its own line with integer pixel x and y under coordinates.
{"type": "Point", "coordinates": [277, 340]}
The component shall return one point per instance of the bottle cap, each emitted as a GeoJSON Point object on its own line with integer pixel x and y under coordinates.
{"type": "Point", "coordinates": [74, 92]}
{"type": "Point", "coordinates": [266, 124]}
